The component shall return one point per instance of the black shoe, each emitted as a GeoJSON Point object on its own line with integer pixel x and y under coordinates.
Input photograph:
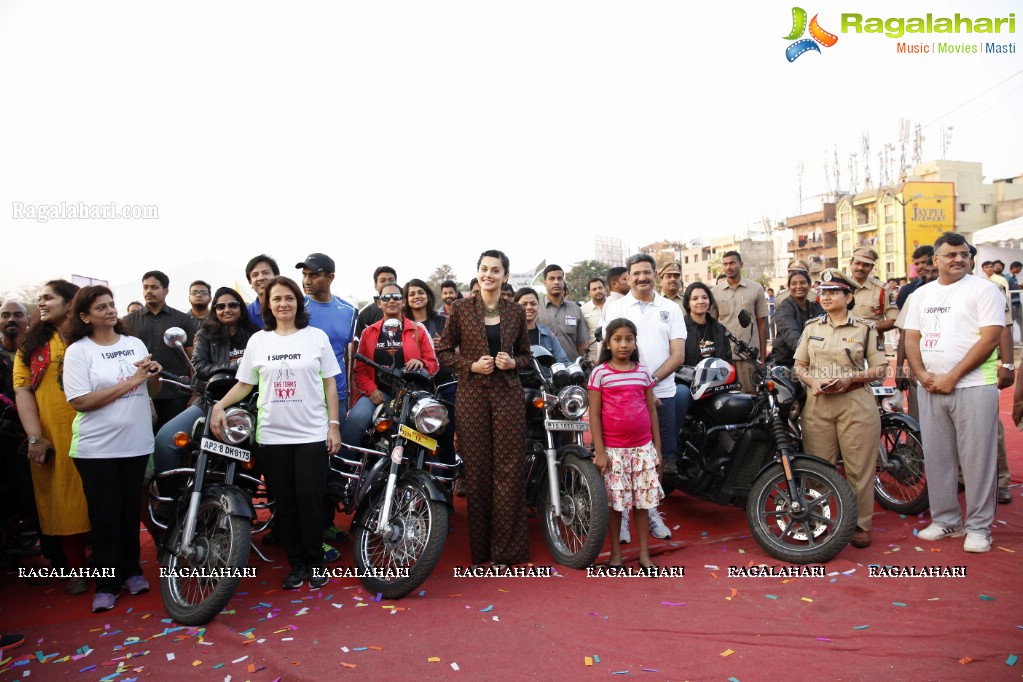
{"type": "Point", "coordinates": [270, 537]}
{"type": "Point", "coordinates": [318, 577]}
{"type": "Point", "coordinates": [296, 577]}
{"type": "Point", "coordinates": [1004, 496]}
{"type": "Point", "coordinates": [11, 641]}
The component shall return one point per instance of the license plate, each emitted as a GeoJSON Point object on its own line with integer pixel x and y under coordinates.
{"type": "Point", "coordinates": [565, 425]}
{"type": "Point", "coordinates": [218, 448]}
{"type": "Point", "coordinates": [416, 437]}
{"type": "Point", "coordinates": [883, 390]}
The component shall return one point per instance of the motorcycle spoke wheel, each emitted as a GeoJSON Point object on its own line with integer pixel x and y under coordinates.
{"type": "Point", "coordinates": [900, 483]}
{"type": "Point", "coordinates": [419, 528]}
{"type": "Point", "coordinates": [820, 530]}
{"type": "Point", "coordinates": [222, 542]}
{"type": "Point", "coordinates": [576, 537]}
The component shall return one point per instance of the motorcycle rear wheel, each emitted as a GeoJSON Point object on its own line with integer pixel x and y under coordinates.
{"type": "Point", "coordinates": [901, 484]}
{"type": "Point", "coordinates": [814, 537]}
{"type": "Point", "coordinates": [421, 529]}
{"type": "Point", "coordinates": [576, 537]}
{"type": "Point", "coordinates": [224, 544]}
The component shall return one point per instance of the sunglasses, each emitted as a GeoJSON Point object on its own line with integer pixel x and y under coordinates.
{"type": "Point", "coordinates": [388, 298]}
{"type": "Point", "coordinates": [233, 305]}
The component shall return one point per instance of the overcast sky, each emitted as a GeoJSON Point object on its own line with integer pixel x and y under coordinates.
{"type": "Point", "coordinates": [420, 133]}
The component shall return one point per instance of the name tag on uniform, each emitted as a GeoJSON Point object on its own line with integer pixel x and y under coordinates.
{"type": "Point", "coordinates": [816, 338]}
{"type": "Point", "coordinates": [570, 321]}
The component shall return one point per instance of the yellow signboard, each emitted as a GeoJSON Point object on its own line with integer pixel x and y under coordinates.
{"type": "Point", "coordinates": [929, 211]}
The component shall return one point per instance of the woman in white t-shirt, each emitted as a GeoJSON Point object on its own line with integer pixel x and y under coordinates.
{"type": "Point", "coordinates": [104, 373]}
{"type": "Point", "coordinates": [297, 425]}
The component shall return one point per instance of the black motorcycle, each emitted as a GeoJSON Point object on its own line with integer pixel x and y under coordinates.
{"type": "Point", "coordinates": [900, 482]}
{"type": "Point", "coordinates": [562, 482]}
{"type": "Point", "coordinates": [397, 489]}
{"type": "Point", "coordinates": [207, 516]}
{"type": "Point", "coordinates": [736, 449]}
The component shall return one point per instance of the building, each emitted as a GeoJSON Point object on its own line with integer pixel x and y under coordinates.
{"type": "Point", "coordinates": [815, 238]}
{"type": "Point", "coordinates": [939, 196]}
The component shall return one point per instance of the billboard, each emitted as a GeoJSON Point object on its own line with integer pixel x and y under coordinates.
{"type": "Point", "coordinates": [929, 210]}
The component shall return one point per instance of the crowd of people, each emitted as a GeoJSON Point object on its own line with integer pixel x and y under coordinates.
{"type": "Point", "coordinates": [79, 377]}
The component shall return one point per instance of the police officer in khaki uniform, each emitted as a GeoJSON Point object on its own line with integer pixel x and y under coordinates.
{"type": "Point", "coordinates": [875, 302]}
{"type": "Point", "coordinates": [671, 282]}
{"type": "Point", "coordinates": [841, 413]}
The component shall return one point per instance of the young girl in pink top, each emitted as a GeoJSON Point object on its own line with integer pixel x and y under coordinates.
{"type": "Point", "coordinates": [626, 440]}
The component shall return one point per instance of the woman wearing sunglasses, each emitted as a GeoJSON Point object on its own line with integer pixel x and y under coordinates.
{"type": "Point", "coordinates": [394, 341]}
{"type": "Point", "coordinates": [220, 344]}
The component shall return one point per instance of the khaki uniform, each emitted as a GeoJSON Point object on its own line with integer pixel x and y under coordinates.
{"type": "Point", "coordinates": [847, 421]}
{"type": "Point", "coordinates": [749, 296]}
{"type": "Point", "coordinates": [677, 299]}
{"type": "Point", "coordinates": [874, 301]}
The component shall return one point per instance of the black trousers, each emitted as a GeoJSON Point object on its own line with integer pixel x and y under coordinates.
{"type": "Point", "coordinates": [113, 490]}
{"type": "Point", "coordinates": [297, 475]}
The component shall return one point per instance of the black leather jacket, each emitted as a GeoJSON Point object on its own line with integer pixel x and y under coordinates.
{"type": "Point", "coordinates": [214, 351]}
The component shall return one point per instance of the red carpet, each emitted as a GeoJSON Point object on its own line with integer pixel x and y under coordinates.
{"type": "Point", "coordinates": [704, 626]}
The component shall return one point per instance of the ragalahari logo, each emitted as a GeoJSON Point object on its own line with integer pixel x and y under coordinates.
{"type": "Point", "coordinates": [818, 35]}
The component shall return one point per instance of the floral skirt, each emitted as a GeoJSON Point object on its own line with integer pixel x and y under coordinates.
{"type": "Point", "coordinates": [631, 478]}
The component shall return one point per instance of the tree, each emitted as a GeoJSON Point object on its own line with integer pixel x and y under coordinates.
{"type": "Point", "coordinates": [442, 273]}
{"type": "Point", "coordinates": [578, 277]}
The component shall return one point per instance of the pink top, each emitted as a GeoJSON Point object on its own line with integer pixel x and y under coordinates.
{"type": "Point", "coordinates": [624, 416]}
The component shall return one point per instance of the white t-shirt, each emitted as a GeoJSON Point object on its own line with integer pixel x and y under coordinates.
{"type": "Point", "coordinates": [657, 324]}
{"type": "Point", "coordinates": [123, 428]}
{"type": "Point", "coordinates": [949, 318]}
{"type": "Point", "coordinates": [290, 371]}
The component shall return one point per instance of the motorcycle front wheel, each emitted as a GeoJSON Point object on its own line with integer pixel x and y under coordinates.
{"type": "Point", "coordinates": [823, 526]}
{"type": "Point", "coordinates": [221, 542]}
{"type": "Point", "coordinates": [900, 484]}
{"type": "Point", "coordinates": [412, 546]}
{"type": "Point", "coordinates": [576, 537]}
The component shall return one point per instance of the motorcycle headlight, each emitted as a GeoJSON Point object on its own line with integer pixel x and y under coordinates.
{"type": "Point", "coordinates": [239, 426]}
{"type": "Point", "coordinates": [429, 416]}
{"type": "Point", "coordinates": [573, 401]}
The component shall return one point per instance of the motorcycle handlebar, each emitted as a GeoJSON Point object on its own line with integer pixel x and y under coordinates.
{"type": "Point", "coordinates": [167, 377]}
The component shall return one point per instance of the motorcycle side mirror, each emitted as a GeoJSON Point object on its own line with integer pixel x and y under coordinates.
{"type": "Point", "coordinates": [744, 319]}
{"type": "Point", "coordinates": [174, 337]}
{"type": "Point", "coordinates": [599, 334]}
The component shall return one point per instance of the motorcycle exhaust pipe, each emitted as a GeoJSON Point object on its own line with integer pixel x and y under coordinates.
{"type": "Point", "coordinates": [552, 480]}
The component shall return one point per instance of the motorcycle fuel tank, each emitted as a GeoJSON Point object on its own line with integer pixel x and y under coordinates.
{"type": "Point", "coordinates": [729, 408]}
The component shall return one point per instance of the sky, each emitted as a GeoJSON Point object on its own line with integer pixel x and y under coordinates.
{"type": "Point", "coordinates": [417, 134]}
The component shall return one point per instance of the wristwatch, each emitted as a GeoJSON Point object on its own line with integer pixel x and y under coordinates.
{"type": "Point", "coordinates": [1009, 366]}
{"type": "Point", "coordinates": [32, 440]}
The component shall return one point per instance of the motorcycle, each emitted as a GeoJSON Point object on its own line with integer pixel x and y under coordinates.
{"type": "Point", "coordinates": [562, 482]}
{"type": "Point", "coordinates": [736, 449]}
{"type": "Point", "coordinates": [399, 494]}
{"type": "Point", "coordinates": [205, 546]}
{"type": "Point", "coordinates": [900, 482]}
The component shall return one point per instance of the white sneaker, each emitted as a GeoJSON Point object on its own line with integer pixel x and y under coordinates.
{"type": "Point", "coordinates": [977, 543]}
{"type": "Point", "coordinates": [657, 527]}
{"type": "Point", "coordinates": [625, 537]}
{"type": "Point", "coordinates": [936, 531]}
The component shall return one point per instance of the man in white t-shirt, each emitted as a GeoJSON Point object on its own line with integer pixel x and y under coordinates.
{"type": "Point", "coordinates": [953, 325]}
{"type": "Point", "coordinates": [661, 338]}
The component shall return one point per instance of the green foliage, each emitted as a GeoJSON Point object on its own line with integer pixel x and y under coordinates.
{"type": "Point", "coordinates": [442, 273]}
{"type": "Point", "coordinates": [580, 274]}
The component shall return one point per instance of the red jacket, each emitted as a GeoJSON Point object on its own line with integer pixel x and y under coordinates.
{"type": "Point", "coordinates": [415, 343]}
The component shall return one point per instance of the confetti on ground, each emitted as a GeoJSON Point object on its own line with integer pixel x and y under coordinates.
{"type": "Point", "coordinates": [587, 660]}
{"type": "Point", "coordinates": [966, 660]}
{"type": "Point", "coordinates": [823, 639]}
{"type": "Point", "coordinates": [620, 672]}
{"type": "Point", "coordinates": [1011, 660]}
{"type": "Point", "coordinates": [985, 597]}
{"type": "Point", "coordinates": [348, 665]}
{"type": "Point", "coordinates": [771, 596]}
{"type": "Point", "coordinates": [671, 603]}
{"type": "Point", "coordinates": [727, 652]}
{"type": "Point", "coordinates": [860, 627]}
{"type": "Point", "coordinates": [488, 609]}
{"type": "Point", "coordinates": [596, 658]}
{"type": "Point", "coordinates": [454, 666]}
{"type": "Point", "coordinates": [898, 603]}
{"type": "Point", "coordinates": [433, 659]}
{"type": "Point", "coordinates": [170, 657]}
{"type": "Point", "coordinates": [806, 599]}
{"type": "Point", "coordinates": [650, 670]}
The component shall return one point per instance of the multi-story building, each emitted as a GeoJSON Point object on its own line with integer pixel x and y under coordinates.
{"type": "Point", "coordinates": [815, 238]}
{"type": "Point", "coordinates": [939, 196]}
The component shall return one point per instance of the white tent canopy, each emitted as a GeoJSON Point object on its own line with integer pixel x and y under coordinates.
{"type": "Point", "coordinates": [1010, 232]}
